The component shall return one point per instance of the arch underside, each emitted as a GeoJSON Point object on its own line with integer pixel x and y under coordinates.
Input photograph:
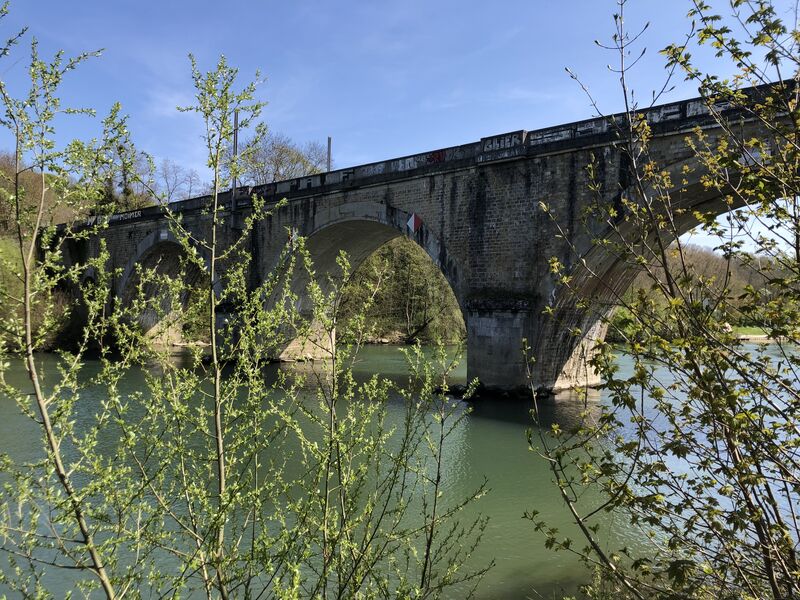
{"type": "Point", "coordinates": [157, 289]}
{"type": "Point", "coordinates": [599, 280]}
{"type": "Point", "coordinates": [357, 239]}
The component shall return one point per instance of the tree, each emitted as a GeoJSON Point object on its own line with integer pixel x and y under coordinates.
{"type": "Point", "coordinates": [128, 178]}
{"type": "Point", "coordinates": [215, 480]}
{"type": "Point", "coordinates": [174, 182]}
{"type": "Point", "coordinates": [275, 492]}
{"type": "Point", "coordinates": [698, 446]}
{"type": "Point", "coordinates": [55, 512]}
{"type": "Point", "coordinates": [275, 157]}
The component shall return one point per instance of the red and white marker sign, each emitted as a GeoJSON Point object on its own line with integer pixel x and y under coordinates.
{"type": "Point", "coordinates": [414, 222]}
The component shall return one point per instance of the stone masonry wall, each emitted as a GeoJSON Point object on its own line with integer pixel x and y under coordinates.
{"type": "Point", "coordinates": [481, 222]}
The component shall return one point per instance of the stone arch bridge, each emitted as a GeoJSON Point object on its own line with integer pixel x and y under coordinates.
{"type": "Point", "coordinates": [475, 209]}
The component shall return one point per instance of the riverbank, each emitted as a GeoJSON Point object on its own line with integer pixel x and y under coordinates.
{"type": "Point", "coordinates": [754, 334]}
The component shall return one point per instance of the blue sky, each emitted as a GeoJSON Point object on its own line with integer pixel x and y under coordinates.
{"type": "Point", "coordinates": [384, 79]}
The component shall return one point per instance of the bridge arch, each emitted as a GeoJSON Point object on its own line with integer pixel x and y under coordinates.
{"type": "Point", "coordinates": [599, 277]}
{"type": "Point", "coordinates": [359, 234]}
{"type": "Point", "coordinates": [162, 253]}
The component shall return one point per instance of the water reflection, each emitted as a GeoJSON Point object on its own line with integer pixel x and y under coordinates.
{"type": "Point", "coordinates": [565, 408]}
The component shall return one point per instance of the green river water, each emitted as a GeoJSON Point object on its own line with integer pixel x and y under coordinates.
{"type": "Point", "coordinates": [490, 443]}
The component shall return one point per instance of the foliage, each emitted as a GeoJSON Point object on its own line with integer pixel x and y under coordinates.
{"type": "Point", "coordinates": [732, 275]}
{"type": "Point", "coordinates": [698, 445]}
{"type": "Point", "coordinates": [30, 181]}
{"type": "Point", "coordinates": [412, 300]}
{"type": "Point", "coordinates": [54, 513]}
{"type": "Point", "coordinates": [129, 185]}
{"type": "Point", "coordinates": [49, 317]}
{"type": "Point", "coordinates": [213, 479]}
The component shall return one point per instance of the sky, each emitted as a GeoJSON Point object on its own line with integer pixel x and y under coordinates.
{"type": "Point", "coordinates": [384, 78]}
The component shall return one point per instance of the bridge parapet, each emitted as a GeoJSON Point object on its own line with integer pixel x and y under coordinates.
{"type": "Point", "coordinates": [664, 120]}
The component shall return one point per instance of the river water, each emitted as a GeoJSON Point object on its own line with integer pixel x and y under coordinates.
{"type": "Point", "coordinates": [491, 443]}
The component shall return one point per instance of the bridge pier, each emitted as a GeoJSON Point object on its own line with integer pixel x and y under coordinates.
{"type": "Point", "coordinates": [315, 344]}
{"type": "Point", "coordinates": [557, 359]}
{"type": "Point", "coordinates": [563, 350]}
{"type": "Point", "coordinates": [494, 346]}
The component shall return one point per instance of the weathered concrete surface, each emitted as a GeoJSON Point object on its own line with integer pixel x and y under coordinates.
{"type": "Point", "coordinates": [481, 224]}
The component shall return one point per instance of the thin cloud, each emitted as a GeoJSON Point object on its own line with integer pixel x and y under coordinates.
{"type": "Point", "coordinates": [164, 103]}
{"type": "Point", "coordinates": [500, 97]}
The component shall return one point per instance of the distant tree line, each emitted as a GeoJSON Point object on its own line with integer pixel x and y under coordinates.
{"type": "Point", "coordinates": [738, 275]}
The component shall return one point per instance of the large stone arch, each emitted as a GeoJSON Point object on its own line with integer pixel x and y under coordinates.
{"type": "Point", "coordinates": [358, 234]}
{"type": "Point", "coordinates": [163, 253]}
{"type": "Point", "coordinates": [598, 278]}
{"type": "Point", "coordinates": [378, 225]}
{"type": "Point", "coordinates": [159, 237]}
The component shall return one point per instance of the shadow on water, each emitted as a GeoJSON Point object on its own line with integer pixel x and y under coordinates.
{"type": "Point", "coordinates": [565, 408]}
